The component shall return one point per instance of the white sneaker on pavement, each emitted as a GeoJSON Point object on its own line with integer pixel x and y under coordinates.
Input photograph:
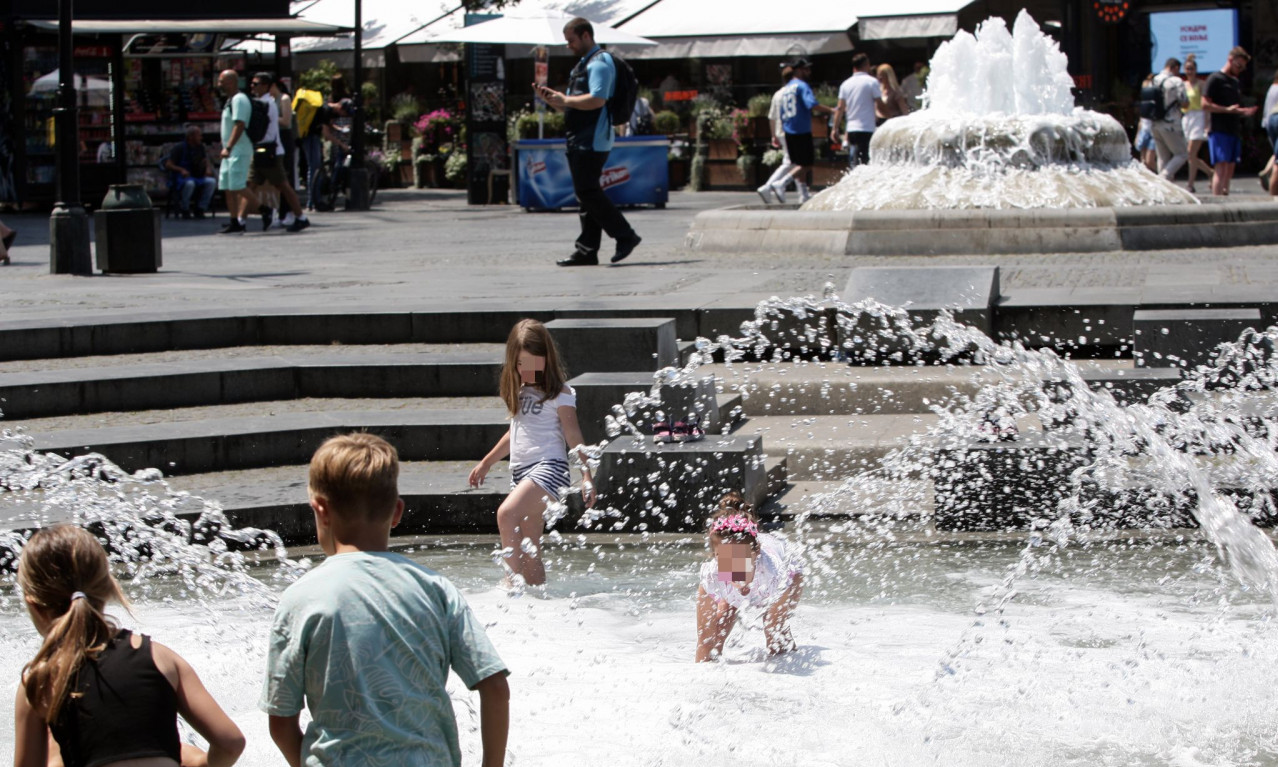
{"type": "Point", "coordinates": [779, 191]}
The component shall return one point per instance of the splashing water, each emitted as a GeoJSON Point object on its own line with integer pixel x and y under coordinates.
{"type": "Point", "coordinates": [999, 131]}
{"type": "Point", "coordinates": [935, 648]}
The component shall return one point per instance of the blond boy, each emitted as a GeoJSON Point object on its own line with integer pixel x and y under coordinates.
{"type": "Point", "coordinates": [365, 640]}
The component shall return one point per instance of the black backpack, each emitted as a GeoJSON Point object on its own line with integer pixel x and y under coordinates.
{"type": "Point", "coordinates": [259, 121]}
{"type": "Point", "coordinates": [624, 93]}
{"type": "Point", "coordinates": [1153, 102]}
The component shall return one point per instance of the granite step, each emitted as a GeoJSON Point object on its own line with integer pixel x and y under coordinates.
{"type": "Point", "coordinates": [834, 446]}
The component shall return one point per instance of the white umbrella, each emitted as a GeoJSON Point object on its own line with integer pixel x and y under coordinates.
{"type": "Point", "coordinates": [541, 28]}
{"type": "Point", "coordinates": [49, 82]}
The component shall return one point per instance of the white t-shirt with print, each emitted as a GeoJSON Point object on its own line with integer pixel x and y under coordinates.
{"type": "Point", "coordinates": [535, 431]}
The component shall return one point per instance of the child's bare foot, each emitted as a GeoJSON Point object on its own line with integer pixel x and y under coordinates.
{"type": "Point", "coordinates": [781, 644]}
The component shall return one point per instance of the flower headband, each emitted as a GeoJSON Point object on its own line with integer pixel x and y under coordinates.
{"type": "Point", "coordinates": [735, 523]}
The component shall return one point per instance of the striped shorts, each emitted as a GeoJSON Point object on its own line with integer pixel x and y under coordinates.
{"type": "Point", "coordinates": [549, 475]}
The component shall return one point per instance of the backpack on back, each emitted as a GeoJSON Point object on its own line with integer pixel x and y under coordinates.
{"type": "Point", "coordinates": [621, 106]}
{"type": "Point", "coordinates": [305, 104]}
{"type": "Point", "coordinates": [1153, 102]}
{"type": "Point", "coordinates": [259, 121]}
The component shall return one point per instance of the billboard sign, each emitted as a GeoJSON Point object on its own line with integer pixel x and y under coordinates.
{"type": "Point", "coordinates": [1208, 34]}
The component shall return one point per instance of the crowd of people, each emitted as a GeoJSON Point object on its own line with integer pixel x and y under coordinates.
{"type": "Point", "coordinates": [866, 101]}
{"type": "Point", "coordinates": [364, 642]}
{"type": "Point", "coordinates": [1180, 112]}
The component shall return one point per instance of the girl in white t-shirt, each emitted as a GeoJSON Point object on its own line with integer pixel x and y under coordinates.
{"type": "Point", "coordinates": [543, 414]}
{"type": "Point", "coordinates": [749, 569]}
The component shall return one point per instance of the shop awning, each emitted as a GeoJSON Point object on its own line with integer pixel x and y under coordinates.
{"type": "Point", "coordinates": [911, 19]}
{"type": "Point", "coordinates": [193, 26]}
{"type": "Point", "coordinates": [721, 28]}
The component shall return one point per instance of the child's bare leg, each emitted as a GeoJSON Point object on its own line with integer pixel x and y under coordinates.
{"type": "Point", "coordinates": [520, 517]}
{"type": "Point", "coordinates": [714, 621]}
{"type": "Point", "coordinates": [776, 624]}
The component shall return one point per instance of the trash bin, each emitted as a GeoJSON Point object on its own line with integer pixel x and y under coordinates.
{"type": "Point", "coordinates": [127, 231]}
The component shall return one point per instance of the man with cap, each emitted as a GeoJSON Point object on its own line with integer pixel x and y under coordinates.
{"type": "Point", "coordinates": [798, 103]}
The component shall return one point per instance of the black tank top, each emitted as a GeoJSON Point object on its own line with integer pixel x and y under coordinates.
{"type": "Point", "coordinates": [126, 708]}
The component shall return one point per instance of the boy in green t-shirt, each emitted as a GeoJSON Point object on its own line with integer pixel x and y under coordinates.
{"type": "Point", "coordinates": [365, 640]}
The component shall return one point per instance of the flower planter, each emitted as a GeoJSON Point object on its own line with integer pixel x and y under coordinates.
{"type": "Point", "coordinates": [722, 149]}
{"type": "Point", "coordinates": [820, 127]}
{"type": "Point", "coordinates": [720, 175]}
{"type": "Point", "coordinates": [761, 127]}
{"type": "Point", "coordinates": [678, 174]}
{"type": "Point", "coordinates": [406, 174]}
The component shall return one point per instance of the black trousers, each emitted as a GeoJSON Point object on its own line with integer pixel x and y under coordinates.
{"type": "Point", "coordinates": [598, 214]}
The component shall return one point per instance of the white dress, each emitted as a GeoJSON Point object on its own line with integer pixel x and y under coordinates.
{"type": "Point", "coordinates": [774, 570]}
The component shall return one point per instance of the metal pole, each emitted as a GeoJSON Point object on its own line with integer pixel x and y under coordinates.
{"type": "Point", "coordinates": [357, 199]}
{"type": "Point", "coordinates": [69, 225]}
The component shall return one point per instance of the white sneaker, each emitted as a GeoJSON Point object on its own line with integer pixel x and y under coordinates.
{"type": "Point", "coordinates": [779, 191]}
{"type": "Point", "coordinates": [287, 220]}
{"type": "Point", "coordinates": [763, 194]}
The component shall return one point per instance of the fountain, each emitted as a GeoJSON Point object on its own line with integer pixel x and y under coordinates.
{"type": "Point", "coordinates": [1000, 160]}
{"type": "Point", "coordinates": [1077, 640]}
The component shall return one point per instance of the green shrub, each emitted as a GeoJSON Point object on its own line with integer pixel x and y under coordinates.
{"type": "Point", "coordinates": [319, 77]}
{"type": "Point", "coordinates": [827, 95]}
{"type": "Point", "coordinates": [455, 167]}
{"type": "Point", "coordinates": [759, 105]}
{"type": "Point", "coordinates": [666, 122]}
{"type": "Point", "coordinates": [526, 125]}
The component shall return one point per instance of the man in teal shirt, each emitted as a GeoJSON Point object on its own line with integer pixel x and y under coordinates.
{"type": "Point", "coordinates": [589, 131]}
{"type": "Point", "coordinates": [237, 150]}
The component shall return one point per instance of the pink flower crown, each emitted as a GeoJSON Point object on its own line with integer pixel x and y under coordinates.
{"type": "Point", "coordinates": [735, 523]}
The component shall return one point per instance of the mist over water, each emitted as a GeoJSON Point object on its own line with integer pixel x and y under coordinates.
{"type": "Point", "coordinates": [1085, 639]}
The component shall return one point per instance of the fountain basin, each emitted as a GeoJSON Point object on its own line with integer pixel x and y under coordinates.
{"type": "Point", "coordinates": [758, 229]}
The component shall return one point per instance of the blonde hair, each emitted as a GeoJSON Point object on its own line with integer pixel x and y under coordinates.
{"type": "Point", "coordinates": [732, 503]}
{"type": "Point", "coordinates": [358, 474]}
{"type": "Point", "coordinates": [886, 69]}
{"type": "Point", "coordinates": [530, 336]}
{"type": "Point", "coordinates": [64, 573]}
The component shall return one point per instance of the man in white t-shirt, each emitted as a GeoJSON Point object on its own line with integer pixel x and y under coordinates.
{"type": "Point", "coordinates": [857, 96]}
{"type": "Point", "coordinates": [1169, 135]}
{"type": "Point", "coordinates": [781, 176]}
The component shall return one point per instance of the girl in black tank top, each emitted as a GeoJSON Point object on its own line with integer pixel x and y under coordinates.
{"type": "Point", "coordinates": [104, 694]}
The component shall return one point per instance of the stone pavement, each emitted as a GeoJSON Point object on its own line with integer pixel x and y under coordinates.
{"type": "Point", "coordinates": [420, 246]}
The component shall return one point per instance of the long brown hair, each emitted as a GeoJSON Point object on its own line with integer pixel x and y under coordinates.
{"type": "Point", "coordinates": [56, 563]}
{"type": "Point", "coordinates": [530, 336]}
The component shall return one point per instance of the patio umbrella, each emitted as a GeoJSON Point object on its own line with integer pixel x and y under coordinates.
{"type": "Point", "coordinates": [540, 28]}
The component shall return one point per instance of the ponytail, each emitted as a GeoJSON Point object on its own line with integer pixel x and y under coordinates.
{"type": "Point", "coordinates": [79, 633]}
{"type": "Point", "coordinates": [66, 580]}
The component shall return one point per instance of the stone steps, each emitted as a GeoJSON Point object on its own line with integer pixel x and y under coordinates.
{"type": "Point", "coordinates": [834, 446]}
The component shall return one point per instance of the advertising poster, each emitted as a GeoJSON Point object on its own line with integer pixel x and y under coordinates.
{"type": "Point", "coordinates": [1208, 34]}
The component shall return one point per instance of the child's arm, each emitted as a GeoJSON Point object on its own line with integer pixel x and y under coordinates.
{"type": "Point", "coordinates": [31, 741]}
{"type": "Point", "coordinates": [287, 734]}
{"type": "Point", "coordinates": [200, 710]}
{"type": "Point", "coordinates": [499, 451]}
{"type": "Point", "coordinates": [572, 434]}
{"type": "Point", "coordinates": [494, 717]}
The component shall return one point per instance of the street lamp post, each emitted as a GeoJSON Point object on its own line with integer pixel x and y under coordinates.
{"type": "Point", "coordinates": [358, 197]}
{"type": "Point", "coordinates": [69, 224]}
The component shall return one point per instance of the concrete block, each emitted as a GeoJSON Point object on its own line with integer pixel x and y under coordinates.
{"type": "Point", "coordinates": [597, 393]}
{"type": "Point", "coordinates": [1003, 485]}
{"type": "Point", "coordinates": [354, 327]}
{"type": "Point", "coordinates": [1186, 338]}
{"type": "Point", "coordinates": [1067, 318]}
{"type": "Point", "coordinates": [476, 321]}
{"type": "Point", "coordinates": [648, 486]}
{"type": "Point", "coordinates": [970, 292]}
{"type": "Point", "coordinates": [615, 345]}
{"type": "Point", "coordinates": [683, 309]}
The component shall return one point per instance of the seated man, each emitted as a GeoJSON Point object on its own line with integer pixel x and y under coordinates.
{"type": "Point", "coordinates": [189, 164]}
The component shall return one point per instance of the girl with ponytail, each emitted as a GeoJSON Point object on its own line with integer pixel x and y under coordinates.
{"type": "Point", "coordinates": [96, 694]}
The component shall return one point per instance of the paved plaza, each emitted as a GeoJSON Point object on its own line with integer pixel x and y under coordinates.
{"type": "Point", "coordinates": [417, 247]}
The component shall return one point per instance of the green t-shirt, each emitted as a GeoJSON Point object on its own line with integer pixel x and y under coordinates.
{"type": "Point", "coordinates": [239, 109]}
{"type": "Point", "coordinates": [365, 640]}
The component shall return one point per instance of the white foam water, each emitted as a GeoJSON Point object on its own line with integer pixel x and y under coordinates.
{"type": "Point", "coordinates": [999, 131]}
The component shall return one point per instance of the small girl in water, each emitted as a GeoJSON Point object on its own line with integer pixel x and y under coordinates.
{"type": "Point", "coordinates": [105, 694]}
{"type": "Point", "coordinates": [543, 414]}
{"type": "Point", "coordinates": [749, 568]}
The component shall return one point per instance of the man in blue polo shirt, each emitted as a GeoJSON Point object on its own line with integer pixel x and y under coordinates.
{"type": "Point", "coordinates": [589, 131]}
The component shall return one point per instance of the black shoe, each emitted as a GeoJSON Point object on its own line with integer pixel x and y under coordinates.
{"type": "Point", "coordinates": [235, 227]}
{"type": "Point", "coordinates": [298, 225]}
{"type": "Point", "coordinates": [267, 216]}
{"type": "Point", "coordinates": [186, 215]}
{"type": "Point", "coordinates": [580, 259]}
{"type": "Point", "coordinates": [199, 214]}
{"type": "Point", "coordinates": [626, 247]}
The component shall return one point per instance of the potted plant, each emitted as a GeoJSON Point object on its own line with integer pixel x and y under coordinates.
{"type": "Point", "coordinates": [436, 132]}
{"type": "Point", "coordinates": [666, 122]}
{"type": "Point", "coordinates": [719, 129]}
{"type": "Point", "coordinates": [455, 169]}
{"type": "Point", "coordinates": [757, 107]}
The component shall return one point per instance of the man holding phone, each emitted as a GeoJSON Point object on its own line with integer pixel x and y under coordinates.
{"type": "Point", "coordinates": [589, 131]}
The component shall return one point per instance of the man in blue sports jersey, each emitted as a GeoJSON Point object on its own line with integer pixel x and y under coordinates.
{"type": "Point", "coordinates": [589, 131]}
{"type": "Point", "coordinates": [798, 104]}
